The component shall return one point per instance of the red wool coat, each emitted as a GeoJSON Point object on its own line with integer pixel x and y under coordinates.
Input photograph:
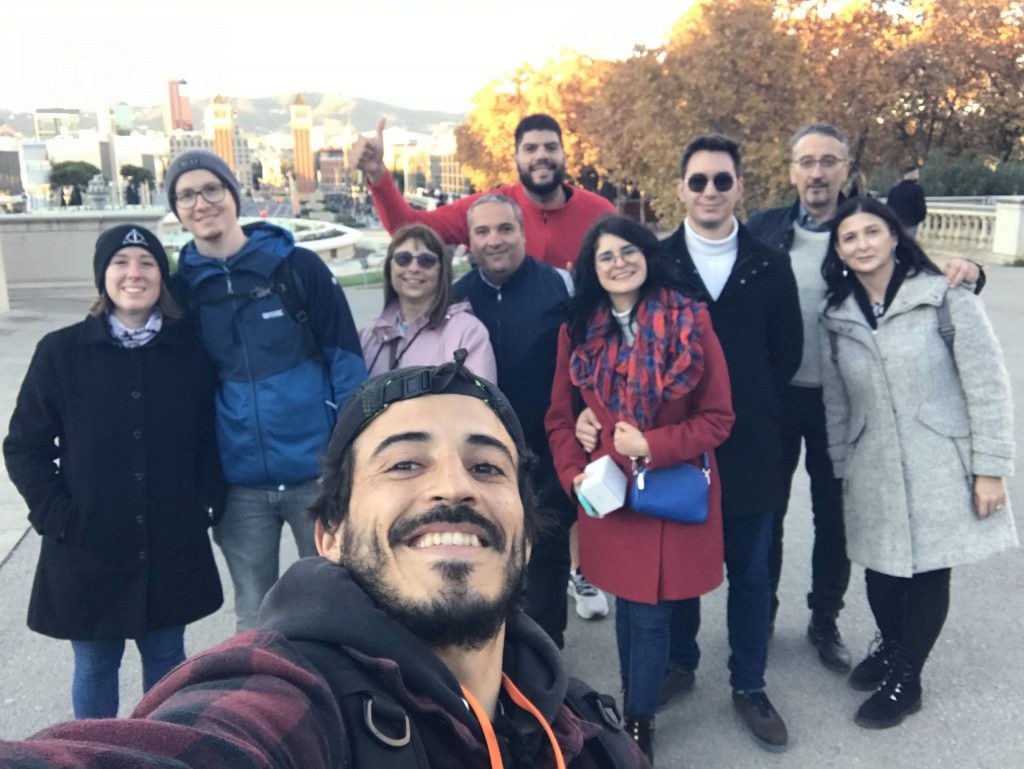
{"type": "Point", "coordinates": [629, 554]}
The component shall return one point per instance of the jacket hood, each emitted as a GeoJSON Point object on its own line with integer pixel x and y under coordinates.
{"type": "Point", "coordinates": [343, 614]}
{"type": "Point", "coordinates": [265, 246]}
{"type": "Point", "coordinates": [922, 288]}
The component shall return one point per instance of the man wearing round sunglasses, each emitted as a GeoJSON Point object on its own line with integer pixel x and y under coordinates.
{"type": "Point", "coordinates": [818, 167]}
{"type": "Point", "coordinates": [555, 214]}
{"type": "Point", "coordinates": [279, 389]}
{"type": "Point", "coordinates": [752, 296]}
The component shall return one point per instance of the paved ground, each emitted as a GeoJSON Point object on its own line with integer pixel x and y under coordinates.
{"type": "Point", "coordinates": [974, 682]}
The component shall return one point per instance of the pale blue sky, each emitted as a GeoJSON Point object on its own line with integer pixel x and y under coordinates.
{"type": "Point", "coordinates": [416, 54]}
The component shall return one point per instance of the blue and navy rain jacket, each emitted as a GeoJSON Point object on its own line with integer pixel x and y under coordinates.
{"type": "Point", "coordinates": [276, 403]}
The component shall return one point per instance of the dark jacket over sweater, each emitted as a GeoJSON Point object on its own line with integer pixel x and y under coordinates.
{"type": "Point", "coordinates": [276, 404]}
{"type": "Point", "coordinates": [758, 323]}
{"type": "Point", "coordinates": [257, 701]}
{"type": "Point", "coordinates": [124, 515]}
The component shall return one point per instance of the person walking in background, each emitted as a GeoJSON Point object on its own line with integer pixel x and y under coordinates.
{"type": "Point", "coordinates": [906, 199]}
{"type": "Point", "coordinates": [279, 330]}
{"type": "Point", "coordinates": [420, 325]}
{"type": "Point", "coordinates": [646, 361]}
{"type": "Point", "coordinates": [920, 432]}
{"type": "Point", "coordinates": [112, 446]}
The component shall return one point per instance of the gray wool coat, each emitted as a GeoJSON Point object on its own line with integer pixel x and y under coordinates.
{"type": "Point", "coordinates": [909, 427]}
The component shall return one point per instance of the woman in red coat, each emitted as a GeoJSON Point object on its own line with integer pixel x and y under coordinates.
{"type": "Point", "coordinates": [645, 359]}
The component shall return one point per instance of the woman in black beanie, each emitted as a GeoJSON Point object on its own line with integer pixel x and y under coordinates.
{"type": "Point", "coordinates": [112, 446]}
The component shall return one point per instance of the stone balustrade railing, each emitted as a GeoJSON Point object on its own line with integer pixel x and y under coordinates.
{"type": "Point", "coordinates": [989, 230]}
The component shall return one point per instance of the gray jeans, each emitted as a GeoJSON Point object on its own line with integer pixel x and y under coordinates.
{"type": "Point", "coordinates": [249, 535]}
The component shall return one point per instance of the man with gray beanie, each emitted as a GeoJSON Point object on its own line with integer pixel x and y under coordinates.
{"type": "Point", "coordinates": [279, 330]}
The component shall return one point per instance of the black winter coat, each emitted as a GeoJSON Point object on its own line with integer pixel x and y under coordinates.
{"type": "Point", "coordinates": [125, 512]}
{"type": "Point", "coordinates": [757, 320]}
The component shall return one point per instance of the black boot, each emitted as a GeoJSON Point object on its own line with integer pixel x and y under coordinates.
{"type": "Point", "coordinates": [824, 634]}
{"type": "Point", "coordinates": [641, 729]}
{"type": "Point", "coordinates": [897, 697]}
{"type": "Point", "coordinates": [870, 673]}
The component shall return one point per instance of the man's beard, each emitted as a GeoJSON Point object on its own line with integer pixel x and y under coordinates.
{"type": "Point", "coordinates": [557, 177]}
{"type": "Point", "coordinates": [454, 616]}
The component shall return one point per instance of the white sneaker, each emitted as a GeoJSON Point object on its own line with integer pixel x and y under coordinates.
{"type": "Point", "coordinates": [590, 602]}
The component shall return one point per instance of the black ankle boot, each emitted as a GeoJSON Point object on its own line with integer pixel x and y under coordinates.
{"type": "Point", "coordinates": [897, 697]}
{"type": "Point", "coordinates": [641, 729]}
{"type": "Point", "coordinates": [824, 634]}
{"type": "Point", "coordinates": [869, 674]}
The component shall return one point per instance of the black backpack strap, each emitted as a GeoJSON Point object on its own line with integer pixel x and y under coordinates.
{"type": "Point", "coordinates": [612, 747]}
{"type": "Point", "coordinates": [380, 732]}
{"type": "Point", "coordinates": [946, 328]}
{"type": "Point", "coordinates": [288, 286]}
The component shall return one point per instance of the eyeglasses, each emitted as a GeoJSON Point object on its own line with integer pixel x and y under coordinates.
{"type": "Point", "coordinates": [827, 162]}
{"type": "Point", "coordinates": [212, 193]}
{"type": "Point", "coordinates": [425, 260]}
{"type": "Point", "coordinates": [723, 182]}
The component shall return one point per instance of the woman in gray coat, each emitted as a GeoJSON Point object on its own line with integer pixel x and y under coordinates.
{"type": "Point", "coordinates": [920, 430]}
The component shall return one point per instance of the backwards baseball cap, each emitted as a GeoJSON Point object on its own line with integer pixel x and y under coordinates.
{"type": "Point", "coordinates": [113, 240]}
{"type": "Point", "coordinates": [195, 160]}
{"type": "Point", "coordinates": [453, 378]}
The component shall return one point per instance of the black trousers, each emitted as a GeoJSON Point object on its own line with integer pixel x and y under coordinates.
{"type": "Point", "coordinates": [910, 610]}
{"type": "Point", "coordinates": [548, 570]}
{"type": "Point", "coordinates": [803, 420]}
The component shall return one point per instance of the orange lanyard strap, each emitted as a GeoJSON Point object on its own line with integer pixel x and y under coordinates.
{"type": "Point", "coordinates": [493, 752]}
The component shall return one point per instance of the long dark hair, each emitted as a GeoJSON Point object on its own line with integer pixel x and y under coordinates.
{"type": "Point", "coordinates": [590, 294]}
{"type": "Point", "coordinates": [430, 239]}
{"type": "Point", "coordinates": [909, 254]}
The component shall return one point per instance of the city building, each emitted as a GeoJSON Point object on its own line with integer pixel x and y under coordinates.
{"type": "Point", "coordinates": [10, 162]}
{"type": "Point", "coordinates": [333, 174]}
{"type": "Point", "coordinates": [219, 125]}
{"type": "Point", "coordinates": [123, 118]}
{"type": "Point", "coordinates": [301, 124]}
{"type": "Point", "coordinates": [178, 109]}
{"type": "Point", "coordinates": [50, 123]}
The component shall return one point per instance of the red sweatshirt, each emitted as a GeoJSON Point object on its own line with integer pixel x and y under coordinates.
{"type": "Point", "coordinates": [553, 235]}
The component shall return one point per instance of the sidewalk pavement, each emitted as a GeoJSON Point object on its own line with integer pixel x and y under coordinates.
{"type": "Point", "coordinates": [974, 681]}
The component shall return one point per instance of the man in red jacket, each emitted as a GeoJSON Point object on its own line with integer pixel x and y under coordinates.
{"type": "Point", "coordinates": [555, 214]}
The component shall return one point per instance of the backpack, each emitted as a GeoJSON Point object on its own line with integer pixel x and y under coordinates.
{"type": "Point", "coordinates": [946, 330]}
{"type": "Point", "coordinates": [284, 282]}
{"type": "Point", "coordinates": [381, 734]}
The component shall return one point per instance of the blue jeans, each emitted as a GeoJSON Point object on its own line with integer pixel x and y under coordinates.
{"type": "Point", "coordinates": [747, 545]}
{"type": "Point", "coordinates": [249, 535]}
{"type": "Point", "coordinates": [94, 684]}
{"type": "Point", "coordinates": [642, 631]}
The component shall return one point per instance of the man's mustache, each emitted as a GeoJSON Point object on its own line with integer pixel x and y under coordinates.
{"type": "Point", "coordinates": [403, 529]}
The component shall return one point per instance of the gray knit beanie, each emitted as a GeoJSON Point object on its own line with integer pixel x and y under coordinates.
{"type": "Point", "coordinates": [194, 160]}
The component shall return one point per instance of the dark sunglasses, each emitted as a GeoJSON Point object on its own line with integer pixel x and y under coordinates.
{"type": "Point", "coordinates": [723, 182]}
{"type": "Point", "coordinates": [424, 260]}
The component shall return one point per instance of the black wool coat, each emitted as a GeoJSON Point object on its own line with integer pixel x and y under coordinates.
{"type": "Point", "coordinates": [757, 320]}
{"type": "Point", "coordinates": [124, 509]}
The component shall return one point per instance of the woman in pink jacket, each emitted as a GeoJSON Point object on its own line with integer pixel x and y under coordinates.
{"type": "Point", "coordinates": [420, 326]}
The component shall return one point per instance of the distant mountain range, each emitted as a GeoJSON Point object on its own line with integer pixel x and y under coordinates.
{"type": "Point", "coordinates": [269, 114]}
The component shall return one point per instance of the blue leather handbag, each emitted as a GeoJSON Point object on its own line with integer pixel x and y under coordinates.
{"type": "Point", "coordinates": [678, 493]}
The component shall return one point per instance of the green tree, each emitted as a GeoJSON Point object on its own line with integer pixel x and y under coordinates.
{"type": "Point", "coordinates": [75, 174]}
{"type": "Point", "coordinates": [136, 176]}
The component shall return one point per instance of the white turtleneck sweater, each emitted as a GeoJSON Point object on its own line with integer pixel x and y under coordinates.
{"type": "Point", "coordinates": [714, 259]}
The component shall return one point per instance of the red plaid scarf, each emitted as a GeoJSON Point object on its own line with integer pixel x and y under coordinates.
{"type": "Point", "coordinates": [664, 363]}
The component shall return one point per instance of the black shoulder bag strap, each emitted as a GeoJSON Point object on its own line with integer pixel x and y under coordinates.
{"type": "Point", "coordinates": [379, 731]}
{"type": "Point", "coordinates": [288, 286]}
{"type": "Point", "coordinates": [611, 747]}
{"type": "Point", "coordinates": [946, 328]}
